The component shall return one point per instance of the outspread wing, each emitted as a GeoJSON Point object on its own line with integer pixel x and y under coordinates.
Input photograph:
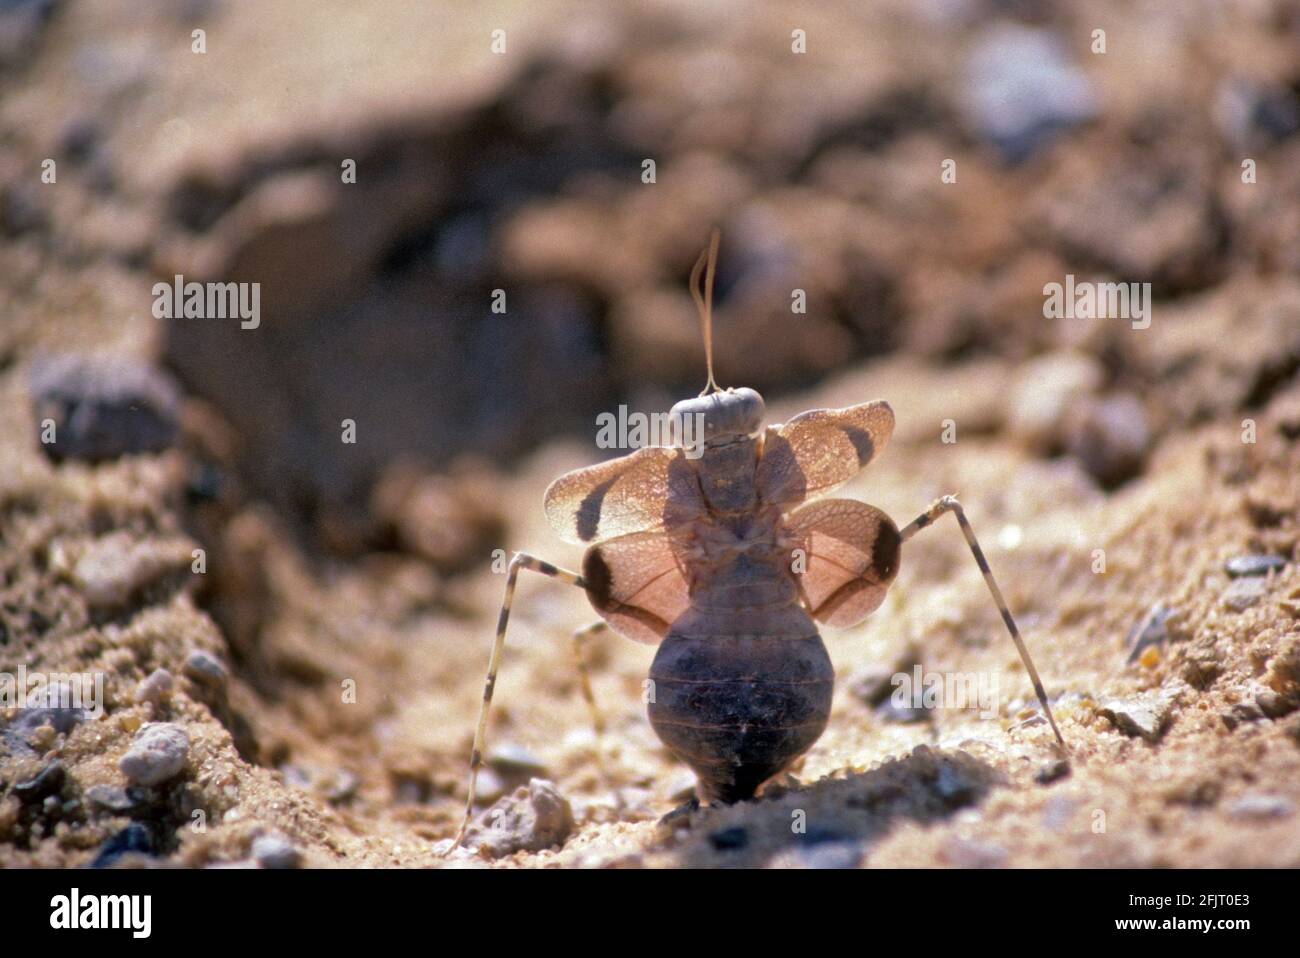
{"type": "Point", "coordinates": [637, 583]}
{"type": "Point", "coordinates": [851, 557]}
{"type": "Point", "coordinates": [821, 449]}
{"type": "Point", "coordinates": [652, 488]}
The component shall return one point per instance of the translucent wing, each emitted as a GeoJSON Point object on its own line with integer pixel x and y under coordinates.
{"type": "Point", "coordinates": [851, 557]}
{"type": "Point", "coordinates": [636, 583]}
{"type": "Point", "coordinates": [821, 449]}
{"type": "Point", "coordinates": [652, 488]}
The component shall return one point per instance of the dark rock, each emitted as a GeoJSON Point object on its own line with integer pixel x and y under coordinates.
{"type": "Point", "coordinates": [136, 838]}
{"type": "Point", "coordinates": [1109, 437]}
{"type": "Point", "coordinates": [1053, 771]}
{"type": "Point", "coordinates": [47, 782]}
{"type": "Point", "coordinates": [103, 407]}
{"type": "Point", "coordinates": [729, 839]}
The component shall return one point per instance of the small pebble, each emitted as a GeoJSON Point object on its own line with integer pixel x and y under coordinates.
{"type": "Point", "coordinates": [515, 760]}
{"type": "Point", "coordinates": [535, 817]}
{"type": "Point", "coordinates": [1259, 807]}
{"type": "Point", "coordinates": [112, 798]}
{"type": "Point", "coordinates": [206, 669]}
{"type": "Point", "coordinates": [158, 753]}
{"type": "Point", "coordinates": [1135, 718]}
{"type": "Point", "coordinates": [274, 850]}
{"type": "Point", "coordinates": [1241, 567]}
{"type": "Point", "coordinates": [155, 688]}
{"type": "Point", "coordinates": [829, 855]}
{"type": "Point", "coordinates": [1243, 593]}
{"type": "Point", "coordinates": [1053, 771]}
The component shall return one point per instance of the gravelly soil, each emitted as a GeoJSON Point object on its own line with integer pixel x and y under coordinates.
{"type": "Point", "coordinates": [347, 598]}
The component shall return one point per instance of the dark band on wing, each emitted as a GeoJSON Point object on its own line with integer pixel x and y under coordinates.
{"type": "Point", "coordinates": [599, 583]}
{"type": "Point", "coordinates": [862, 444]}
{"type": "Point", "coordinates": [884, 551]}
{"type": "Point", "coordinates": [588, 515]}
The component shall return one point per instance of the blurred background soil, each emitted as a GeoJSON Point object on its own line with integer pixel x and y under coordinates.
{"type": "Point", "coordinates": [1137, 490]}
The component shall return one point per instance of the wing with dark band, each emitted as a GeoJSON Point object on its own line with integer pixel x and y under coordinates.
{"type": "Point", "coordinates": [851, 556]}
{"type": "Point", "coordinates": [820, 450]}
{"type": "Point", "coordinates": [650, 489]}
{"type": "Point", "coordinates": [636, 583]}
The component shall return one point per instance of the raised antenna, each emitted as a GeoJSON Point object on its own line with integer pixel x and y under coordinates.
{"type": "Point", "coordinates": [703, 295]}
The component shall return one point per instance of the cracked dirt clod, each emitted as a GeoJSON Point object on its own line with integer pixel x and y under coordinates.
{"type": "Point", "coordinates": [535, 817]}
{"type": "Point", "coordinates": [158, 753]}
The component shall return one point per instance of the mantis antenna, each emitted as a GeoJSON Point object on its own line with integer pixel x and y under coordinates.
{"type": "Point", "coordinates": [703, 295]}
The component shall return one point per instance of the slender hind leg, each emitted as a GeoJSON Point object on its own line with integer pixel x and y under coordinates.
{"type": "Point", "coordinates": [580, 638]}
{"type": "Point", "coordinates": [950, 504]}
{"type": "Point", "coordinates": [520, 561]}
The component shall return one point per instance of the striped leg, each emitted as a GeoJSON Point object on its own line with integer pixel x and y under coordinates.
{"type": "Point", "coordinates": [950, 504]}
{"type": "Point", "coordinates": [520, 561]}
{"type": "Point", "coordinates": [580, 638]}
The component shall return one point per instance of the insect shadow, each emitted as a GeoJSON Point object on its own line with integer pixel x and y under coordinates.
{"type": "Point", "coordinates": [834, 822]}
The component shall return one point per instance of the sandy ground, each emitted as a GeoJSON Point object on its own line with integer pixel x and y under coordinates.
{"type": "Point", "coordinates": [328, 662]}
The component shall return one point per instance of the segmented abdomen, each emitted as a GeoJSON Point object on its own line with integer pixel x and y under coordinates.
{"type": "Point", "coordinates": [739, 708]}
